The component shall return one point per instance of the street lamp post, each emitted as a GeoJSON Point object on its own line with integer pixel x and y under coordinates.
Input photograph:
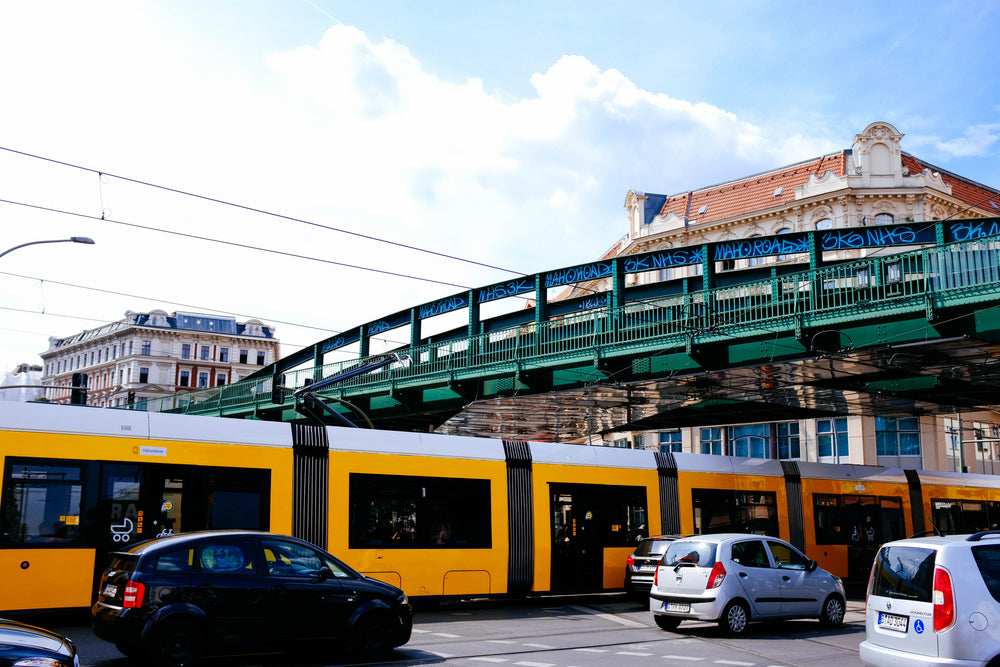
{"type": "Point", "coordinates": [72, 239]}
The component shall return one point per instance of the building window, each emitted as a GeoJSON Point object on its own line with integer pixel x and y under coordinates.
{"type": "Point", "coordinates": [140, 403]}
{"type": "Point", "coordinates": [143, 375]}
{"type": "Point", "coordinates": [203, 380]}
{"type": "Point", "coordinates": [621, 443]}
{"type": "Point", "coordinates": [185, 379]}
{"type": "Point", "coordinates": [220, 380]}
{"type": "Point", "coordinates": [243, 356]}
{"type": "Point", "coordinates": [206, 351]}
{"type": "Point", "coordinates": [260, 358]}
{"type": "Point", "coordinates": [130, 346]}
{"type": "Point", "coordinates": [755, 261]}
{"type": "Point", "coordinates": [186, 351]}
{"type": "Point", "coordinates": [749, 440]}
{"type": "Point", "coordinates": [825, 223]}
{"type": "Point", "coordinates": [831, 439]}
{"type": "Point", "coordinates": [897, 436]}
{"type": "Point", "coordinates": [670, 441]}
{"type": "Point", "coordinates": [147, 347]}
{"type": "Point", "coordinates": [884, 219]}
{"type": "Point", "coordinates": [711, 441]}
{"type": "Point", "coordinates": [224, 355]}
{"type": "Point", "coordinates": [788, 440]}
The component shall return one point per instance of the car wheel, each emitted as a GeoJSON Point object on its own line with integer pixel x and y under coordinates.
{"type": "Point", "coordinates": [373, 636]}
{"type": "Point", "coordinates": [667, 622]}
{"type": "Point", "coordinates": [175, 644]}
{"type": "Point", "coordinates": [833, 611]}
{"type": "Point", "coordinates": [735, 618]}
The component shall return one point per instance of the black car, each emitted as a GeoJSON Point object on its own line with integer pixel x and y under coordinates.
{"type": "Point", "coordinates": [22, 644]}
{"type": "Point", "coordinates": [640, 566]}
{"type": "Point", "coordinates": [174, 599]}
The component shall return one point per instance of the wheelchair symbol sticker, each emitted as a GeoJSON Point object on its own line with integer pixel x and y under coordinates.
{"type": "Point", "coordinates": [918, 626]}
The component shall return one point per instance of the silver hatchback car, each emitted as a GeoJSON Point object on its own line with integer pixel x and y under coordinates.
{"type": "Point", "coordinates": [736, 578]}
{"type": "Point", "coordinates": [934, 600]}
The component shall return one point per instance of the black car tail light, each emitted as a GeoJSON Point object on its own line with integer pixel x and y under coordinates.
{"type": "Point", "coordinates": [134, 593]}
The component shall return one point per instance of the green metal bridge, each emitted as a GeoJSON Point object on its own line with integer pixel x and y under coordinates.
{"type": "Point", "coordinates": [899, 318]}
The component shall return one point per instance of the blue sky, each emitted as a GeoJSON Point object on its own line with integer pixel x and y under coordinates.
{"type": "Point", "coordinates": [504, 133]}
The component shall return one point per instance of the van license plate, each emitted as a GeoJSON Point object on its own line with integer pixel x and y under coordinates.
{"type": "Point", "coordinates": [677, 606]}
{"type": "Point", "coordinates": [109, 590]}
{"type": "Point", "coordinates": [893, 622]}
{"type": "Point", "coordinates": [647, 568]}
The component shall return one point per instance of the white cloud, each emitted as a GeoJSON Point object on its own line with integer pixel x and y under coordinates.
{"type": "Point", "coordinates": [346, 132]}
{"type": "Point", "coordinates": [977, 141]}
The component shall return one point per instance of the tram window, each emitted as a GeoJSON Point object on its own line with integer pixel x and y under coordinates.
{"type": "Point", "coordinates": [723, 511]}
{"type": "Point", "coordinates": [959, 516]}
{"type": "Point", "coordinates": [854, 519]}
{"type": "Point", "coordinates": [237, 498]}
{"type": "Point", "coordinates": [419, 512]}
{"type": "Point", "coordinates": [41, 503]}
{"type": "Point", "coordinates": [893, 526]}
{"type": "Point", "coordinates": [826, 515]}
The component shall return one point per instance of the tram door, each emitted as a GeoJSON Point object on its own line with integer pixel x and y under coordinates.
{"type": "Point", "coordinates": [586, 519]}
{"type": "Point", "coordinates": [576, 551]}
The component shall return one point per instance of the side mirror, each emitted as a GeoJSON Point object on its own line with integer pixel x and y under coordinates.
{"type": "Point", "coordinates": [812, 566]}
{"type": "Point", "coordinates": [323, 573]}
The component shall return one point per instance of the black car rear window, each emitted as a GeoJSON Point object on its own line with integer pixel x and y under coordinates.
{"type": "Point", "coordinates": [904, 572]}
{"type": "Point", "coordinates": [988, 559]}
{"type": "Point", "coordinates": [651, 547]}
{"type": "Point", "coordinates": [123, 562]}
{"type": "Point", "coordinates": [181, 560]}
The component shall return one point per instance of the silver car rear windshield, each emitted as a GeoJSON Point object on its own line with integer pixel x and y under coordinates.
{"type": "Point", "coordinates": [904, 572]}
{"type": "Point", "coordinates": [700, 553]}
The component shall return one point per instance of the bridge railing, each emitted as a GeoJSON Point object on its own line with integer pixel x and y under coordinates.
{"type": "Point", "coordinates": [873, 285]}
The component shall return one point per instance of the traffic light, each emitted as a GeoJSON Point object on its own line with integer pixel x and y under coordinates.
{"type": "Point", "coordinates": [278, 389]}
{"type": "Point", "coordinates": [78, 395]}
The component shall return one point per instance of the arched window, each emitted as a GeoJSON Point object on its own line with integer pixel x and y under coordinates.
{"type": "Point", "coordinates": [825, 223]}
{"type": "Point", "coordinates": [884, 219]}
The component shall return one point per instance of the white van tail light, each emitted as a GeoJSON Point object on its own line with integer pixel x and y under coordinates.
{"type": "Point", "coordinates": [944, 600]}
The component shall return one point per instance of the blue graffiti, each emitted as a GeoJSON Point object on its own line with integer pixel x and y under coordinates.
{"type": "Point", "coordinates": [679, 257]}
{"type": "Point", "coordinates": [760, 246]}
{"type": "Point", "coordinates": [593, 302]}
{"type": "Point", "coordinates": [846, 239]}
{"type": "Point", "coordinates": [968, 231]}
{"type": "Point", "coordinates": [378, 327]}
{"type": "Point", "coordinates": [442, 306]}
{"type": "Point", "coordinates": [333, 344]}
{"type": "Point", "coordinates": [503, 290]}
{"type": "Point", "coordinates": [578, 274]}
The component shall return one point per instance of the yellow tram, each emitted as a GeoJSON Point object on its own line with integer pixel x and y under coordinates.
{"type": "Point", "coordinates": [438, 516]}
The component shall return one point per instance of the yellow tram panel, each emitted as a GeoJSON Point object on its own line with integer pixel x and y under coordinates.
{"type": "Point", "coordinates": [423, 571]}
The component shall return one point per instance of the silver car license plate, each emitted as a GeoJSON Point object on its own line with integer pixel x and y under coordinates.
{"type": "Point", "coordinates": [647, 568]}
{"type": "Point", "coordinates": [893, 622]}
{"type": "Point", "coordinates": [109, 590]}
{"type": "Point", "coordinates": [682, 607]}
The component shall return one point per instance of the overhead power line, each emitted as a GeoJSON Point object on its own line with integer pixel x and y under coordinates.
{"type": "Point", "coordinates": [100, 173]}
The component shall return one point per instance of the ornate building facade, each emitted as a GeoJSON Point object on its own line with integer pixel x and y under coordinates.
{"type": "Point", "coordinates": [873, 182]}
{"type": "Point", "coordinates": [148, 355]}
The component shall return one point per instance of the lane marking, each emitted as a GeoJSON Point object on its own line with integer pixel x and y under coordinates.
{"type": "Point", "coordinates": [592, 650]}
{"type": "Point", "coordinates": [737, 663]}
{"type": "Point", "coordinates": [693, 658]}
{"type": "Point", "coordinates": [609, 617]}
{"type": "Point", "coordinates": [539, 645]}
{"type": "Point", "coordinates": [635, 653]}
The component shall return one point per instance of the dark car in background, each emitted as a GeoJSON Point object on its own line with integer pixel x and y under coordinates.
{"type": "Point", "coordinates": [640, 566]}
{"type": "Point", "coordinates": [23, 645]}
{"type": "Point", "coordinates": [172, 600]}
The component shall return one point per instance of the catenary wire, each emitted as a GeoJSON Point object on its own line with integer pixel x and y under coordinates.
{"type": "Point", "coordinates": [252, 209]}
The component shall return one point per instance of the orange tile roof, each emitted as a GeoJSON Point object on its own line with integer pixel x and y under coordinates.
{"type": "Point", "coordinates": [756, 193]}
{"type": "Point", "coordinates": [752, 193]}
